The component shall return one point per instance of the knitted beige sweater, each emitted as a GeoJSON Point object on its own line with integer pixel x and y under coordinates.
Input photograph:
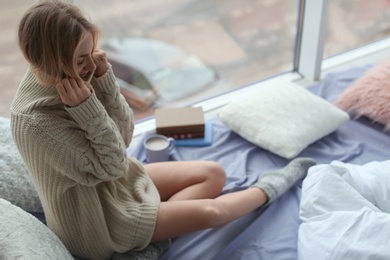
{"type": "Point", "coordinates": [95, 198]}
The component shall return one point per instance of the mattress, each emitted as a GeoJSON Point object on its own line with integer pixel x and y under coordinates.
{"type": "Point", "coordinates": [271, 232]}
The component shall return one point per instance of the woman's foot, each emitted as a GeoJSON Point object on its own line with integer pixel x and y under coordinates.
{"type": "Point", "coordinates": [276, 182]}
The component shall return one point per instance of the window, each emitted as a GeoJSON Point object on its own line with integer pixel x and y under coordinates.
{"type": "Point", "coordinates": [180, 52]}
{"type": "Point", "coordinates": [177, 52]}
{"type": "Point", "coordinates": [12, 64]}
{"type": "Point", "coordinates": [354, 23]}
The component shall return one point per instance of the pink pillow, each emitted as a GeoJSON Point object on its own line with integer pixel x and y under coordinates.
{"type": "Point", "coordinates": [369, 95]}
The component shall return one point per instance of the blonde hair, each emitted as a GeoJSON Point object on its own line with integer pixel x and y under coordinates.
{"type": "Point", "coordinates": [49, 34]}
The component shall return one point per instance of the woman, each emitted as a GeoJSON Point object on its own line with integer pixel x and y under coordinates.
{"type": "Point", "coordinates": [72, 128]}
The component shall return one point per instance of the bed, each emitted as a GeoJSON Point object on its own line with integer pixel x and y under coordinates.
{"type": "Point", "coordinates": [272, 232]}
{"type": "Point", "coordinates": [281, 230]}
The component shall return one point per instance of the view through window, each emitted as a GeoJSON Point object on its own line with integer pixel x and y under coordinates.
{"type": "Point", "coordinates": [12, 64]}
{"type": "Point", "coordinates": [354, 23]}
{"type": "Point", "coordinates": [177, 52]}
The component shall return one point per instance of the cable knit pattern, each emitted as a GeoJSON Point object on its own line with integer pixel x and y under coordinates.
{"type": "Point", "coordinates": [96, 199]}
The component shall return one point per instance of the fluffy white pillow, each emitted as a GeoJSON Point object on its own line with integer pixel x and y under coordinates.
{"type": "Point", "coordinates": [282, 117]}
{"type": "Point", "coordinates": [16, 185]}
{"type": "Point", "coordinates": [23, 236]}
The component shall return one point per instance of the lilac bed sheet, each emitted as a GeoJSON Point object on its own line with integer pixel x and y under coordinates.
{"type": "Point", "coordinates": [271, 232]}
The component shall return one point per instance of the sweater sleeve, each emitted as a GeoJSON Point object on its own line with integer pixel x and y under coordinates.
{"type": "Point", "coordinates": [108, 92]}
{"type": "Point", "coordinates": [100, 149]}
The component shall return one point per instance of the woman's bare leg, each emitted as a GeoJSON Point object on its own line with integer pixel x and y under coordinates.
{"type": "Point", "coordinates": [176, 218]}
{"type": "Point", "coordinates": [187, 180]}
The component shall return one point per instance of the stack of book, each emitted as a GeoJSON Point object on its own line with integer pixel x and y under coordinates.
{"type": "Point", "coordinates": [186, 125]}
{"type": "Point", "coordinates": [180, 123]}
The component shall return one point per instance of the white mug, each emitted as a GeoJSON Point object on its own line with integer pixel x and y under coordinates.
{"type": "Point", "coordinates": [158, 148]}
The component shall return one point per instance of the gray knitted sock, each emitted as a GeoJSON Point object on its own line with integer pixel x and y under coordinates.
{"type": "Point", "coordinates": [276, 182]}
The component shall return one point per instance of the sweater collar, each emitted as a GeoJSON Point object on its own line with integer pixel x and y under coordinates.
{"type": "Point", "coordinates": [32, 95]}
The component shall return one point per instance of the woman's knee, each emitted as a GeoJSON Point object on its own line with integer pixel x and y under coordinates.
{"type": "Point", "coordinates": [215, 173]}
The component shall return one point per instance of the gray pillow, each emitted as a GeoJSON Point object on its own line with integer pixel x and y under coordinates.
{"type": "Point", "coordinates": [23, 236]}
{"type": "Point", "coordinates": [151, 252]}
{"type": "Point", "coordinates": [17, 188]}
{"type": "Point", "coordinates": [16, 185]}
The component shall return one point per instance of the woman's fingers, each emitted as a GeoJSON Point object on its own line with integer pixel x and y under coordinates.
{"type": "Point", "coordinates": [70, 84]}
{"type": "Point", "coordinates": [60, 88]}
{"type": "Point", "coordinates": [73, 92]}
{"type": "Point", "coordinates": [100, 60]}
{"type": "Point", "coordinates": [84, 89]}
{"type": "Point", "coordinates": [99, 54]}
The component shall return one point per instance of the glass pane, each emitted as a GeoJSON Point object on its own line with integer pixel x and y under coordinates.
{"type": "Point", "coordinates": [177, 52]}
{"type": "Point", "coordinates": [173, 52]}
{"type": "Point", "coordinates": [12, 64]}
{"type": "Point", "coordinates": [354, 23]}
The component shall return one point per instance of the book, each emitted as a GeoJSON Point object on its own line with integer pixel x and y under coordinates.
{"type": "Point", "coordinates": [186, 120]}
{"type": "Point", "coordinates": [185, 135]}
{"type": "Point", "coordinates": [207, 140]}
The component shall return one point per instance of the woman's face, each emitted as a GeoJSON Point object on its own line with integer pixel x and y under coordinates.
{"type": "Point", "coordinates": [84, 57]}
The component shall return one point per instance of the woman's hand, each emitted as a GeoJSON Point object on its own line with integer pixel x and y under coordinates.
{"type": "Point", "coordinates": [73, 92]}
{"type": "Point", "coordinates": [100, 59]}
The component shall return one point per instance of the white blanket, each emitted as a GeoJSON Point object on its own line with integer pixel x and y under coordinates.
{"type": "Point", "coordinates": [345, 212]}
